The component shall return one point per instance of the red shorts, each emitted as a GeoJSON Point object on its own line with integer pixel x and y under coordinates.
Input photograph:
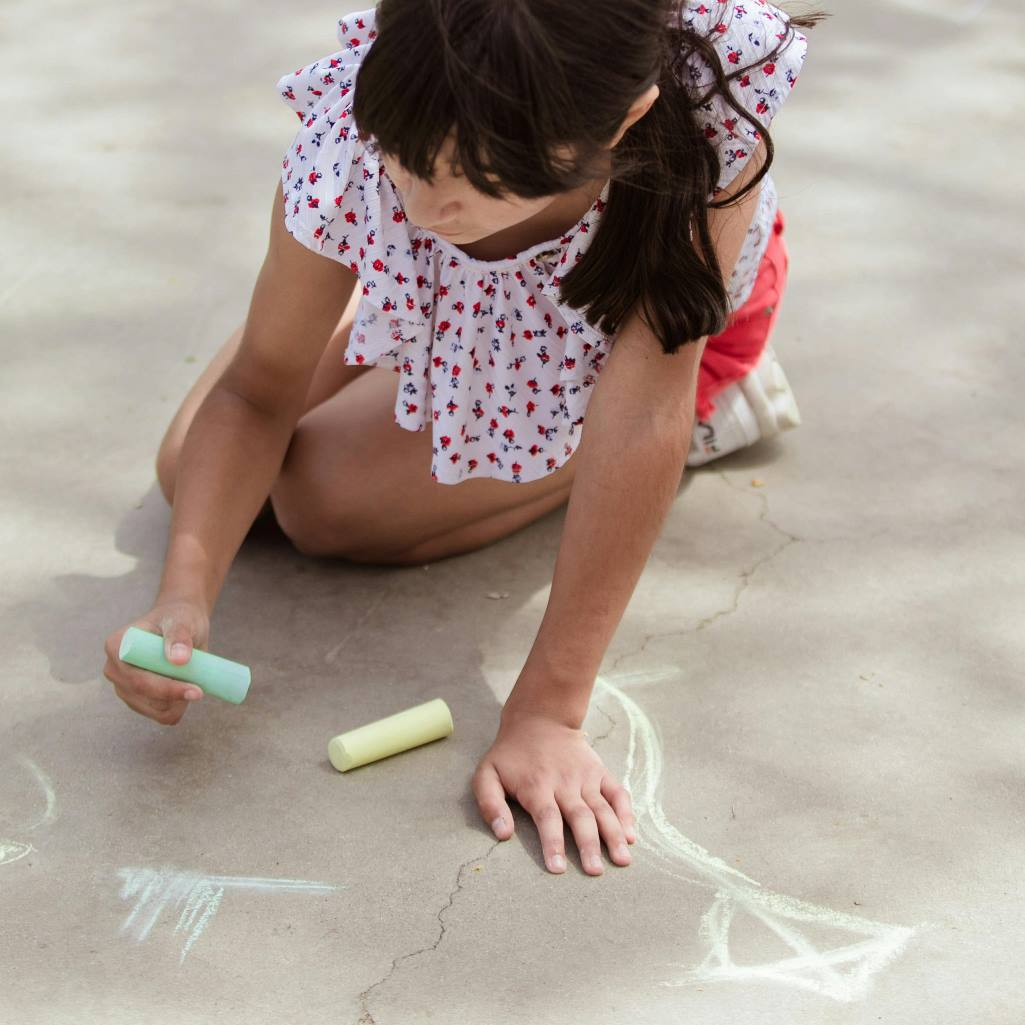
{"type": "Point", "coordinates": [729, 356]}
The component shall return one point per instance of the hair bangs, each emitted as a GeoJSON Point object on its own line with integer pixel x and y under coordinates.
{"type": "Point", "coordinates": [493, 87]}
{"type": "Point", "coordinates": [401, 106]}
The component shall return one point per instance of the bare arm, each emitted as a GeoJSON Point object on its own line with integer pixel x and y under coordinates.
{"type": "Point", "coordinates": [631, 457]}
{"type": "Point", "coordinates": [238, 438]}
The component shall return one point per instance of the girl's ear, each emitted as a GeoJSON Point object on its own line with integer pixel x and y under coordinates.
{"type": "Point", "coordinates": [637, 110]}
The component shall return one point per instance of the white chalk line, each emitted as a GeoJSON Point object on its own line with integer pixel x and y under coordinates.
{"type": "Point", "coordinates": [813, 969]}
{"type": "Point", "coordinates": [256, 883]}
{"type": "Point", "coordinates": [155, 890]}
{"type": "Point", "coordinates": [50, 814]}
{"type": "Point", "coordinates": [15, 850]}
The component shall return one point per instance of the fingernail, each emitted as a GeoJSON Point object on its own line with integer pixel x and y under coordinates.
{"type": "Point", "coordinates": [497, 824]}
{"type": "Point", "coordinates": [193, 695]}
{"type": "Point", "coordinates": [179, 650]}
{"type": "Point", "coordinates": [558, 863]}
{"type": "Point", "coordinates": [594, 863]}
{"type": "Point", "coordinates": [622, 851]}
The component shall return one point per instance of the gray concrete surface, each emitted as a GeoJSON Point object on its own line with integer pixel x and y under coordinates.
{"type": "Point", "coordinates": [817, 682]}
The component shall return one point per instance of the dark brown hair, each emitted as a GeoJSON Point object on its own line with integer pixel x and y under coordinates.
{"type": "Point", "coordinates": [533, 91]}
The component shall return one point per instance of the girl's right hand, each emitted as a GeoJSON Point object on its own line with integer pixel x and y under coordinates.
{"type": "Point", "coordinates": [184, 625]}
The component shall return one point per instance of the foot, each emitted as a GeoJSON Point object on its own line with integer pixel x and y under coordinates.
{"type": "Point", "coordinates": [759, 405]}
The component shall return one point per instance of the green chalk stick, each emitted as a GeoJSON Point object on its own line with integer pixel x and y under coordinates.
{"type": "Point", "coordinates": [219, 677]}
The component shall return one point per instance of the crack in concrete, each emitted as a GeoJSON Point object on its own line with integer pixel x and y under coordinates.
{"type": "Point", "coordinates": [806, 540]}
{"type": "Point", "coordinates": [644, 644]}
{"type": "Point", "coordinates": [366, 1018]}
{"type": "Point", "coordinates": [765, 507]}
{"type": "Point", "coordinates": [331, 657]}
{"type": "Point", "coordinates": [612, 725]}
{"type": "Point", "coordinates": [746, 574]}
{"type": "Point", "coordinates": [745, 578]}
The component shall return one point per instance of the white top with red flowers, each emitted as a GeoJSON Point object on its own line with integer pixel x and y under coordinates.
{"type": "Point", "coordinates": [486, 352]}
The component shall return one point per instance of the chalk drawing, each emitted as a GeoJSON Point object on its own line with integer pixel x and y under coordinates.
{"type": "Point", "coordinates": [153, 890]}
{"type": "Point", "coordinates": [50, 813]}
{"type": "Point", "coordinates": [13, 850]}
{"type": "Point", "coordinates": [844, 972]}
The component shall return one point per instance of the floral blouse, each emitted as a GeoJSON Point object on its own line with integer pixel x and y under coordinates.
{"type": "Point", "coordinates": [488, 355]}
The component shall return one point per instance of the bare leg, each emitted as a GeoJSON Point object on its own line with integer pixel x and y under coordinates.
{"type": "Point", "coordinates": [381, 506]}
{"type": "Point", "coordinates": [358, 486]}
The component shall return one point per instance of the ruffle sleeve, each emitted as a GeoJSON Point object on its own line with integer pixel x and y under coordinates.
{"type": "Point", "coordinates": [331, 183]}
{"type": "Point", "coordinates": [741, 32]}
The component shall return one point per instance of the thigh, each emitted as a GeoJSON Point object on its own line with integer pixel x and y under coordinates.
{"type": "Point", "coordinates": [354, 483]}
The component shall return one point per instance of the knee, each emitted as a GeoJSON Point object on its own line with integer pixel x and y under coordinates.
{"type": "Point", "coordinates": [309, 529]}
{"type": "Point", "coordinates": [299, 531]}
{"type": "Point", "coordinates": [298, 505]}
{"type": "Point", "coordinates": [308, 532]}
{"type": "Point", "coordinates": [322, 521]}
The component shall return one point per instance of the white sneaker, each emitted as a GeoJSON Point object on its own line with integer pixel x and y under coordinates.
{"type": "Point", "coordinates": [759, 405]}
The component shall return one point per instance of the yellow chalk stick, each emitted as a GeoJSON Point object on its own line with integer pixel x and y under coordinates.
{"type": "Point", "coordinates": [400, 732]}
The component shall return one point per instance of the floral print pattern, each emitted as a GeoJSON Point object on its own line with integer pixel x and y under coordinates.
{"type": "Point", "coordinates": [488, 356]}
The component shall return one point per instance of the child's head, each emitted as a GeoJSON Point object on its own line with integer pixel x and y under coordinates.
{"type": "Point", "coordinates": [494, 107]}
{"type": "Point", "coordinates": [447, 202]}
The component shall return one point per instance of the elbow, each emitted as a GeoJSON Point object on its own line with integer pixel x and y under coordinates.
{"type": "Point", "coordinates": [669, 436]}
{"type": "Point", "coordinates": [671, 429]}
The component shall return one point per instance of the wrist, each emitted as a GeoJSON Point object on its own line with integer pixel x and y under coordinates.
{"type": "Point", "coordinates": [170, 595]}
{"type": "Point", "coordinates": [185, 575]}
{"type": "Point", "coordinates": [548, 699]}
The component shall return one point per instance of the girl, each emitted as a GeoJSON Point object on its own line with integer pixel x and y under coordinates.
{"type": "Point", "coordinates": [497, 217]}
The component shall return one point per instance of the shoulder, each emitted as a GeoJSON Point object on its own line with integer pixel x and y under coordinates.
{"type": "Point", "coordinates": [331, 186]}
{"type": "Point", "coordinates": [306, 89]}
{"type": "Point", "coordinates": [358, 30]}
{"type": "Point", "coordinates": [741, 32]}
{"type": "Point", "coordinates": [741, 35]}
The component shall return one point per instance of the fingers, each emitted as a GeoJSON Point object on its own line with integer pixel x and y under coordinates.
{"type": "Point", "coordinates": [619, 798]}
{"type": "Point", "coordinates": [589, 814]}
{"type": "Point", "coordinates": [490, 794]}
{"type": "Point", "coordinates": [177, 640]}
{"type": "Point", "coordinates": [152, 688]}
{"type": "Point", "coordinates": [149, 694]}
{"type": "Point", "coordinates": [591, 818]}
{"type": "Point", "coordinates": [585, 831]}
{"type": "Point", "coordinates": [548, 819]}
{"type": "Point", "coordinates": [166, 716]}
{"type": "Point", "coordinates": [595, 811]}
{"type": "Point", "coordinates": [610, 827]}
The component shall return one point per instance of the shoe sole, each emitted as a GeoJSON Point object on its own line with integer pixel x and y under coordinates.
{"type": "Point", "coordinates": [759, 405]}
{"type": "Point", "coordinates": [768, 393]}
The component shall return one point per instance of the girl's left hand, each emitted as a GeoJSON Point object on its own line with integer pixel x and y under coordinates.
{"type": "Point", "coordinates": [552, 771]}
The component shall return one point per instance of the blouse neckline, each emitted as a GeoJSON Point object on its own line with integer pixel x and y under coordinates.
{"type": "Point", "coordinates": [525, 255]}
